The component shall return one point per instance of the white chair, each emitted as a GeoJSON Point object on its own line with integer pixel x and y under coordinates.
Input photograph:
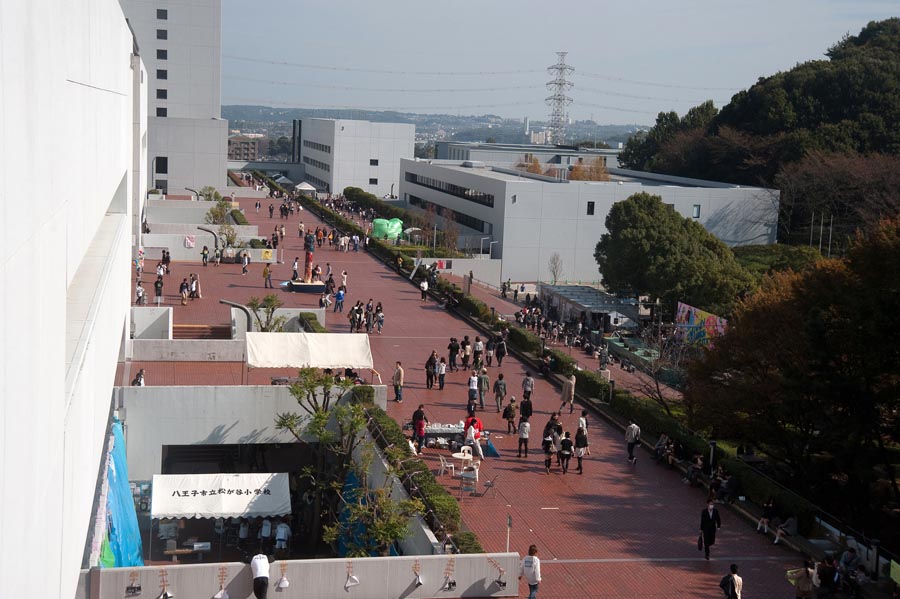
{"type": "Point", "coordinates": [445, 465]}
{"type": "Point", "coordinates": [466, 449]}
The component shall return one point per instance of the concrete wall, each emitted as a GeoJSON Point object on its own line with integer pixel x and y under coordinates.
{"type": "Point", "coordinates": [379, 577]}
{"type": "Point", "coordinates": [187, 350]}
{"type": "Point", "coordinates": [239, 320]}
{"type": "Point", "coordinates": [154, 243]}
{"type": "Point", "coordinates": [191, 229]}
{"type": "Point", "coordinates": [67, 116]}
{"type": "Point", "coordinates": [487, 271]}
{"type": "Point", "coordinates": [196, 149]}
{"type": "Point", "coordinates": [293, 171]}
{"type": "Point", "coordinates": [149, 322]}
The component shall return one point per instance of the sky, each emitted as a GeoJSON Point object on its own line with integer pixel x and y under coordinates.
{"type": "Point", "coordinates": [632, 58]}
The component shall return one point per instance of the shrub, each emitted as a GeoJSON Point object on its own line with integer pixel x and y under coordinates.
{"type": "Point", "coordinates": [310, 323]}
{"type": "Point", "coordinates": [563, 363]}
{"type": "Point", "coordinates": [653, 420]}
{"type": "Point", "coordinates": [524, 341]}
{"type": "Point", "coordinates": [363, 395]}
{"type": "Point", "coordinates": [257, 244]}
{"type": "Point", "coordinates": [757, 488]}
{"type": "Point", "coordinates": [592, 385]}
{"type": "Point", "coordinates": [238, 217]}
{"type": "Point", "coordinates": [467, 542]}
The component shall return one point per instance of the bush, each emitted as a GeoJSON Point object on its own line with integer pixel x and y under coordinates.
{"type": "Point", "coordinates": [592, 385]}
{"type": "Point", "coordinates": [524, 341]}
{"type": "Point", "coordinates": [757, 488]}
{"type": "Point", "coordinates": [562, 363]}
{"type": "Point", "coordinates": [310, 323]}
{"type": "Point", "coordinates": [363, 395]}
{"type": "Point", "coordinates": [467, 542]}
{"type": "Point", "coordinates": [238, 217]}
{"type": "Point", "coordinates": [257, 244]}
{"type": "Point", "coordinates": [651, 418]}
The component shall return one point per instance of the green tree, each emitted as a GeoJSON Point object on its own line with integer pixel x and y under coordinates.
{"type": "Point", "coordinates": [760, 260]}
{"type": "Point", "coordinates": [649, 248]}
{"type": "Point", "coordinates": [264, 313]}
{"type": "Point", "coordinates": [218, 214]}
{"type": "Point", "coordinates": [209, 194]}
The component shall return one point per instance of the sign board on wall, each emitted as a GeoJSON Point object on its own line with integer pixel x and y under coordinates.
{"type": "Point", "coordinates": [697, 326]}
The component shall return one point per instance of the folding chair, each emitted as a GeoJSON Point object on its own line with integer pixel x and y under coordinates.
{"type": "Point", "coordinates": [490, 484]}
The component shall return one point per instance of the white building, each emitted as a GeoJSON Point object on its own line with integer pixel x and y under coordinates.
{"type": "Point", "coordinates": [342, 153]}
{"type": "Point", "coordinates": [532, 217]}
{"type": "Point", "coordinates": [548, 155]}
{"type": "Point", "coordinates": [181, 45]}
{"type": "Point", "coordinates": [68, 75]}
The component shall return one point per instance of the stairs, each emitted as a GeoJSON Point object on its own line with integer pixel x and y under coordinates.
{"type": "Point", "coordinates": [201, 331]}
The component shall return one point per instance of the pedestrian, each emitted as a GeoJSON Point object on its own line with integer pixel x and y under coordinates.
{"type": "Point", "coordinates": [379, 321]}
{"type": "Point", "coordinates": [583, 424]}
{"type": "Point", "coordinates": [183, 289]}
{"type": "Point", "coordinates": [217, 256]}
{"type": "Point", "coordinates": [257, 206]}
{"type": "Point", "coordinates": [477, 352]}
{"type": "Point", "coordinates": [530, 570]}
{"type": "Point", "coordinates": [473, 386]}
{"type": "Point", "coordinates": [245, 262]}
{"type": "Point", "coordinates": [515, 294]}
{"type": "Point", "coordinates": [430, 367]}
{"type": "Point", "coordinates": [802, 579]}
{"type": "Point", "coordinates": [566, 446]}
{"type": "Point", "coordinates": [281, 232]}
{"type": "Point", "coordinates": [567, 396]}
{"type": "Point", "coordinates": [548, 446]}
{"type": "Point", "coordinates": [271, 210]}
{"type": "Point", "coordinates": [195, 287]}
{"type": "Point", "coordinates": [710, 522]}
{"type": "Point", "coordinates": [471, 407]}
{"type": "Point", "coordinates": [301, 229]}
{"type": "Point", "coordinates": [509, 414]}
{"type": "Point", "coordinates": [489, 347]}
{"type": "Point", "coordinates": [499, 391]}
{"type": "Point", "coordinates": [768, 512]}
{"type": "Point", "coordinates": [344, 279]}
{"type": "Point", "coordinates": [296, 268]}
{"type": "Point", "coordinates": [526, 408]}
{"type": "Point", "coordinates": [204, 255]}
{"type": "Point", "coordinates": [732, 584]}
{"type": "Point", "coordinates": [423, 286]}
{"type": "Point", "coordinates": [465, 350]}
{"type": "Point", "coordinates": [397, 381]}
{"type": "Point", "coordinates": [139, 379]}
{"type": "Point", "coordinates": [158, 289]}
{"type": "Point", "coordinates": [419, 421]}
{"type": "Point", "coordinates": [527, 386]}
{"type": "Point", "coordinates": [581, 444]}
{"type": "Point", "coordinates": [500, 351]}
{"type": "Point", "coordinates": [139, 293]}
{"type": "Point", "coordinates": [632, 438]}
{"type": "Point", "coordinates": [267, 277]}
{"type": "Point", "coordinates": [441, 371]}
{"type": "Point", "coordinates": [259, 567]}
{"type": "Point", "coordinates": [453, 349]}
{"type": "Point", "coordinates": [484, 385]}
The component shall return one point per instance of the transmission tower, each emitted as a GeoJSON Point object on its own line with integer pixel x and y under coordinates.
{"type": "Point", "coordinates": [559, 100]}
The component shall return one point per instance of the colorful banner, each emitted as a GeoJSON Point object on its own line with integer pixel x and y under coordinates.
{"type": "Point", "coordinates": [697, 326]}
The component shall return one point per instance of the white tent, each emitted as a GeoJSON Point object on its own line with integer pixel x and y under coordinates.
{"type": "Point", "coordinates": [304, 187]}
{"type": "Point", "coordinates": [315, 350]}
{"type": "Point", "coordinates": [220, 495]}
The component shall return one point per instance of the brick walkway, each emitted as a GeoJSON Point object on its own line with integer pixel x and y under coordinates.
{"type": "Point", "coordinates": [618, 531]}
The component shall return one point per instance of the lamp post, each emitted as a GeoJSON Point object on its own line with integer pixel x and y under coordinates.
{"type": "Point", "coordinates": [490, 249]}
{"type": "Point", "coordinates": [481, 246]}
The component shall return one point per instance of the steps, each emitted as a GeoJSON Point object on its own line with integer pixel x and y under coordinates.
{"type": "Point", "coordinates": [201, 331]}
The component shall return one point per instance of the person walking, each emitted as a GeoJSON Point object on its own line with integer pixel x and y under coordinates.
{"type": "Point", "coordinates": [484, 385]}
{"type": "Point", "coordinates": [732, 584]}
{"type": "Point", "coordinates": [632, 438]}
{"type": "Point", "coordinates": [527, 386]}
{"type": "Point", "coordinates": [583, 424]}
{"type": "Point", "coordinates": [183, 289]}
{"type": "Point", "coordinates": [441, 372]}
{"type": "Point", "coordinates": [453, 349]}
{"type": "Point", "coordinates": [158, 289]}
{"type": "Point", "coordinates": [430, 367]}
{"type": "Point", "coordinates": [245, 262]}
{"type": "Point", "coordinates": [530, 570]}
{"type": "Point", "coordinates": [581, 444]}
{"type": "Point", "coordinates": [379, 322]}
{"type": "Point", "coordinates": [566, 447]}
{"type": "Point", "coordinates": [419, 421]}
{"type": "Point", "coordinates": [710, 522]}
{"type": "Point", "coordinates": [567, 396]}
{"type": "Point", "coordinates": [500, 351]}
{"type": "Point", "coordinates": [423, 287]}
{"type": "Point", "coordinates": [499, 392]}
{"type": "Point", "coordinates": [489, 347]}
{"type": "Point", "coordinates": [339, 300]}
{"type": "Point", "coordinates": [509, 414]}
{"type": "Point", "coordinates": [139, 293]}
{"type": "Point", "coordinates": [217, 257]}
{"type": "Point", "coordinates": [524, 433]}
{"type": "Point", "coordinates": [526, 408]}
{"type": "Point", "coordinates": [204, 255]}
{"type": "Point", "coordinates": [267, 277]}
{"type": "Point", "coordinates": [473, 386]}
{"type": "Point", "coordinates": [397, 381]}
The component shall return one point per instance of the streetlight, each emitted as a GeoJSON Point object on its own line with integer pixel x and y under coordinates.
{"type": "Point", "coordinates": [490, 253]}
{"type": "Point", "coordinates": [481, 247]}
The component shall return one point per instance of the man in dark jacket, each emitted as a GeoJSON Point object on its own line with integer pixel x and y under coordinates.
{"type": "Point", "coordinates": [710, 522]}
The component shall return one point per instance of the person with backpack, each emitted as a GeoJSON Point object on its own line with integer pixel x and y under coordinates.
{"type": "Point", "coordinates": [732, 584]}
{"type": "Point", "coordinates": [509, 414]}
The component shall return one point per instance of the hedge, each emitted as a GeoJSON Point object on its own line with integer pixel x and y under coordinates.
{"type": "Point", "coordinates": [524, 341]}
{"type": "Point", "coordinates": [758, 488]}
{"type": "Point", "coordinates": [591, 384]}
{"type": "Point", "coordinates": [238, 217]}
{"type": "Point", "coordinates": [310, 323]}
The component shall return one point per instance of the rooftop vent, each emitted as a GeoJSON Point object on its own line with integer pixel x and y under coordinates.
{"type": "Point", "coordinates": [472, 164]}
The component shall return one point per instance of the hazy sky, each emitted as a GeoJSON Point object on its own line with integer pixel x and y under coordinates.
{"type": "Point", "coordinates": [456, 56]}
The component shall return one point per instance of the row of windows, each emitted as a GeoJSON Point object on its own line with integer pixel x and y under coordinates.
{"type": "Point", "coordinates": [317, 182]}
{"type": "Point", "coordinates": [466, 193]}
{"type": "Point", "coordinates": [463, 219]}
{"type": "Point", "coordinates": [316, 163]}
{"type": "Point", "coordinates": [316, 146]}
{"type": "Point", "coordinates": [695, 212]}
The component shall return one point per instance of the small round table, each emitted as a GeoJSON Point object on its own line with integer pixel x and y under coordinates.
{"type": "Point", "coordinates": [464, 459]}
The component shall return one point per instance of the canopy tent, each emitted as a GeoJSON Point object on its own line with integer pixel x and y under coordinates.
{"type": "Point", "coordinates": [314, 350]}
{"type": "Point", "coordinates": [304, 187]}
{"type": "Point", "coordinates": [220, 495]}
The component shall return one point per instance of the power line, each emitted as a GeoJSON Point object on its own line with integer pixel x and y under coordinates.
{"type": "Point", "coordinates": [559, 100]}
{"type": "Point", "coordinates": [637, 97]}
{"type": "Point", "coordinates": [320, 67]}
{"type": "Point", "coordinates": [257, 102]}
{"type": "Point", "coordinates": [653, 84]}
{"type": "Point", "coordinates": [383, 89]}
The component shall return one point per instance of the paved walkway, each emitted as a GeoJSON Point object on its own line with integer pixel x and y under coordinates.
{"type": "Point", "coordinates": [617, 531]}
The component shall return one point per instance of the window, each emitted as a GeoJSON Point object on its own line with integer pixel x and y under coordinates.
{"type": "Point", "coordinates": [373, 162]}
{"type": "Point", "coordinates": [316, 146]}
{"type": "Point", "coordinates": [696, 212]}
{"type": "Point", "coordinates": [162, 74]}
{"type": "Point", "coordinates": [160, 111]}
{"type": "Point", "coordinates": [162, 34]}
{"type": "Point", "coordinates": [162, 55]}
{"type": "Point", "coordinates": [161, 184]}
{"type": "Point", "coordinates": [162, 14]}
{"type": "Point", "coordinates": [162, 165]}
{"type": "Point", "coordinates": [373, 181]}
{"type": "Point", "coordinates": [317, 163]}
{"type": "Point", "coordinates": [466, 193]}
{"type": "Point", "coordinates": [590, 209]}
{"type": "Point", "coordinates": [459, 217]}
{"type": "Point", "coordinates": [162, 94]}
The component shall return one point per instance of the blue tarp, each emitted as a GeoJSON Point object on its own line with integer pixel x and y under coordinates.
{"type": "Point", "coordinates": [124, 535]}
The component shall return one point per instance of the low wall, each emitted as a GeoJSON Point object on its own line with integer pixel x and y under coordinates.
{"type": "Point", "coordinates": [191, 229]}
{"type": "Point", "coordinates": [176, 211]}
{"type": "Point", "coordinates": [154, 244]}
{"type": "Point", "coordinates": [151, 322]}
{"type": "Point", "coordinates": [484, 270]}
{"type": "Point", "coordinates": [292, 325]}
{"type": "Point", "coordinates": [379, 577]}
{"type": "Point", "coordinates": [187, 350]}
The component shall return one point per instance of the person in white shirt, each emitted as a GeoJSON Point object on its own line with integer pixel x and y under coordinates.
{"type": "Point", "coordinates": [243, 532]}
{"type": "Point", "coordinates": [259, 566]}
{"type": "Point", "coordinates": [530, 570]}
{"type": "Point", "coordinates": [282, 534]}
{"type": "Point", "coordinates": [632, 438]}
{"type": "Point", "coordinates": [473, 385]}
{"type": "Point", "coordinates": [423, 286]}
{"type": "Point", "coordinates": [265, 533]}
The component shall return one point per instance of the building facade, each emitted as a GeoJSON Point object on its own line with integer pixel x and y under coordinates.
{"type": "Point", "coordinates": [181, 45]}
{"type": "Point", "coordinates": [65, 281]}
{"type": "Point", "coordinates": [512, 154]}
{"type": "Point", "coordinates": [343, 153]}
{"type": "Point", "coordinates": [241, 147]}
{"type": "Point", "coordinates": [533, 217]}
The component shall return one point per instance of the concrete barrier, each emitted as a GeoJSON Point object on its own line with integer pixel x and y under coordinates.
{"type": "Point", "coordinates": [187, 350]}
{"type": "Point", "coordinates": [149, 322]}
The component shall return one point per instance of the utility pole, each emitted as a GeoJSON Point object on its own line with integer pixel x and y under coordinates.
{"type": "Point", "coordinates": [558, 101]}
